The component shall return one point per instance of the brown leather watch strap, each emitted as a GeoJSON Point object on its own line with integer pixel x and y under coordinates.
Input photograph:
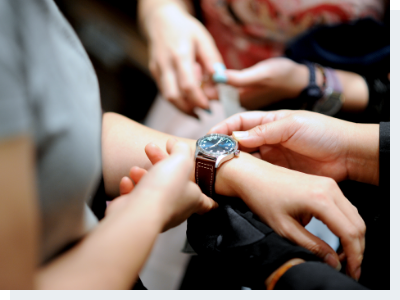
{"type": "Point", "coordinates": [205, 175]}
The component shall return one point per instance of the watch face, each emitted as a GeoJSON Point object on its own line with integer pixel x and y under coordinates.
{"type": "Point", "coordinates": [217, 144]}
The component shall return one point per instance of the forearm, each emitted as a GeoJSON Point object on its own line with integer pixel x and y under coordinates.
{"type": "Point", "coordinates": [123, 143]}
{"type": "Point", "coordinates": [363, 155]}
{"type": "Point", "coordinates": [147, 8]}
{"type": "Point", "coordinates": [355, 91]}
{"type": "Point", "coordinates": [111, 256]}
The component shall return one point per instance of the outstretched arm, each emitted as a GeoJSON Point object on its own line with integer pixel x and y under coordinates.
{"type": "Point", "coordinates": [284, 199]}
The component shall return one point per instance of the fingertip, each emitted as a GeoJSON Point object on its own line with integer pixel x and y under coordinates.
{"type": "Point", "coordinates": [125, 185]}
{"type": "Point", "coordinates": [170, 144]}
{"type": "Point", "coordinates": [208, 204]}
{"type": "Point", "coordinates": [333, 261]}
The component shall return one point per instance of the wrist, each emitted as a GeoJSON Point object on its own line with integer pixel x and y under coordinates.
{"type": "Point", "coordinates": [232, 177]}
{"type": "Point", "coordinates": [362, 160]}
{"type": "Point", "coordinates": [151, 206]}
{"type": "Point", "coordinates": [355, 91]}
{"type": "Point", "coordinates": [300, 80]}
{"type": "Point", "coordinates": [153, 14]}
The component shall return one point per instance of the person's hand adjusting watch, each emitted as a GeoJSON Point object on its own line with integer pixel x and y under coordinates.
{"type": "Point", "coordinates": [211, 151]}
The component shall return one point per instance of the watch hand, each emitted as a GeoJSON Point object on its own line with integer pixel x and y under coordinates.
{"type": "Point", "coordinates": [216, 143]}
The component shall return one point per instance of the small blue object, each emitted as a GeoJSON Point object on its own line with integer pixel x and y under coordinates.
{"type": "Point", "coordinates": [219, 67]}
{"type": "Point", "coordinates": [219, 77]}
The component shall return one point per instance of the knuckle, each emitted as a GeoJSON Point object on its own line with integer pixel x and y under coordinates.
{"type": "Point", "coordinates": [174, 99]}
{"type": "Point", "coordinates": [261, 130]}
{"type": "Point", "coordinates": [353, 233]}
{"type": "Point", "coordinates": [321, 197]}
{"type": "Point", "coordinates": [315, 248]}
{"type": "Point", "coordinates": [328, 183]}
{"type": "Point", "coordinates": [187, 86]}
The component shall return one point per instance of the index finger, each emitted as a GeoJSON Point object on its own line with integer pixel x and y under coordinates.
{"type": "Point", "coordinates": [242, 121]}
{"type": "Point", "coordinates": [188, 82]}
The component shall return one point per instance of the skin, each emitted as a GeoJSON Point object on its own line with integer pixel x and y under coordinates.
{"type": "Point", "coordinates": [275, 79]}
{"type": "Point", "coordinates": [154, 205]}
{"type": "Point", "coordinates": [182, 52]}
{"type": "Point", "coordinates": [311, 143]}
{"type": "Point", "coordinates": [182, 55]}
{"type": "Point", "coordinates": [158, 203]}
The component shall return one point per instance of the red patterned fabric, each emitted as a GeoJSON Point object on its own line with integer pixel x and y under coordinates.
{"type": "Point", "coordinates": [248, 31]}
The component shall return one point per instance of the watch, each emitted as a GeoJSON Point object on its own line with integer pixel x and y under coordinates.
{"type": "Point", "coordinates": [332, 100]}
{"type": "Point", "coordinates": [212, 150]}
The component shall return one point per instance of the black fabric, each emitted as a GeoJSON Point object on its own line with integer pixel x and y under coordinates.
{"type": "Point", "coordinates": [367, 52]}
{"type": "Point", "coordinates": [367, 49]}
{"type": "Point", "coordinates": [315, 276]}
{"type": "Point", "coordinates": [98, 205]}
{"type": "Point", "coordinates": [384, 156]}
{"type": "Point", "coordinates": [233, 235]}
{"type": "Point", "coordinates": [139, 285]}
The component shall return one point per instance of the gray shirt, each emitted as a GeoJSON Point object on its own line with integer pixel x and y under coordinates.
{"type": "Point", "coordinates": [48, 90]}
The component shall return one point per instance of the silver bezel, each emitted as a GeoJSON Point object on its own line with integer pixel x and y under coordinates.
{"type": "Point", "coordinates": [218, 158]}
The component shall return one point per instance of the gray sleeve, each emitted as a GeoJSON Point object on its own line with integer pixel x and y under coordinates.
{"type": "Point", "coordinates": [14, 106]}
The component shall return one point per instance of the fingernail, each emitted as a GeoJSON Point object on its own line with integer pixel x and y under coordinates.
{"type": "Point", "coordinates": [357, 274]}
{"type": "Point", "coordinates": [219, 78]}
{"type": "Point", "coordinates": [237, 135]}
{"type": "Point", "coordinates": [219, 67]}
{"type": "Point", "coordinates": [333, 262]}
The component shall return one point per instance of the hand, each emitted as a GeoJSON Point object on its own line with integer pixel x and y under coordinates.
{"type": "Point", "coordinates": [286, 200]}
{"type": "Point", "coordinates": [168, 185]}
{"type": "Point", "coordinates": [177, 40]}
{"type": "Point", "coordinates": [269, 81]}
{"type": "Point", "coordinates": [308, 142]}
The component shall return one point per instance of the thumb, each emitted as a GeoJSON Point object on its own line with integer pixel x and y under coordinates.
{"type": "Point", "coordinates": [206, 204]}
{"type": "Point", "coordinates": [252, 76]}
{"type": "Point", "coordinates": [274, 132]}
{"type": "Point", "coordinates": [299, 235]}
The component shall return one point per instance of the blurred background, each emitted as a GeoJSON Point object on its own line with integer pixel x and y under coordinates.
{"type": "Point", "coordinates": [108, 31]}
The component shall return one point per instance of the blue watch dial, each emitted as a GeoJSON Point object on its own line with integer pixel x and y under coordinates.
{"type": "Point", "coordinates": [217, 144]}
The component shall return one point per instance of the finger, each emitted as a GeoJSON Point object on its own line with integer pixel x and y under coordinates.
{"type": "Point", "coordinates": [125, 186]}
{"type": "Point", "coordinates": [299, 235]}
{"type": "Point", "coordinates": [154, 153]}
{"type": "Point", "coordinates": [244, 78]}
{"type": "Point", "coordinates": [239, 122]}
{"type": "Point", "coordinates": [205, 204]}
{"type": "Point", "coordinates": [170, 90]}
{"type": "Point", "coordinates": [189, 85]}
{"type": "Point", "coordinates": [277, 132]}
{"type": "Point", "coordinates": [349, 235]}
{"type": "Point", "coordinates": [208, 54]}
{"type": "Point", "coordinates": [351, 212]}
{"type": "Point", "coordinates": [256, 75]}
{"type": "Point", "coordinates": [248, 120]}
{"type": "Point", "coordinates": [210, 90]}
{"type": "Point", "coordinates": [170, 144]}
{"type": "Point", "coordinates": [136, 174]}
